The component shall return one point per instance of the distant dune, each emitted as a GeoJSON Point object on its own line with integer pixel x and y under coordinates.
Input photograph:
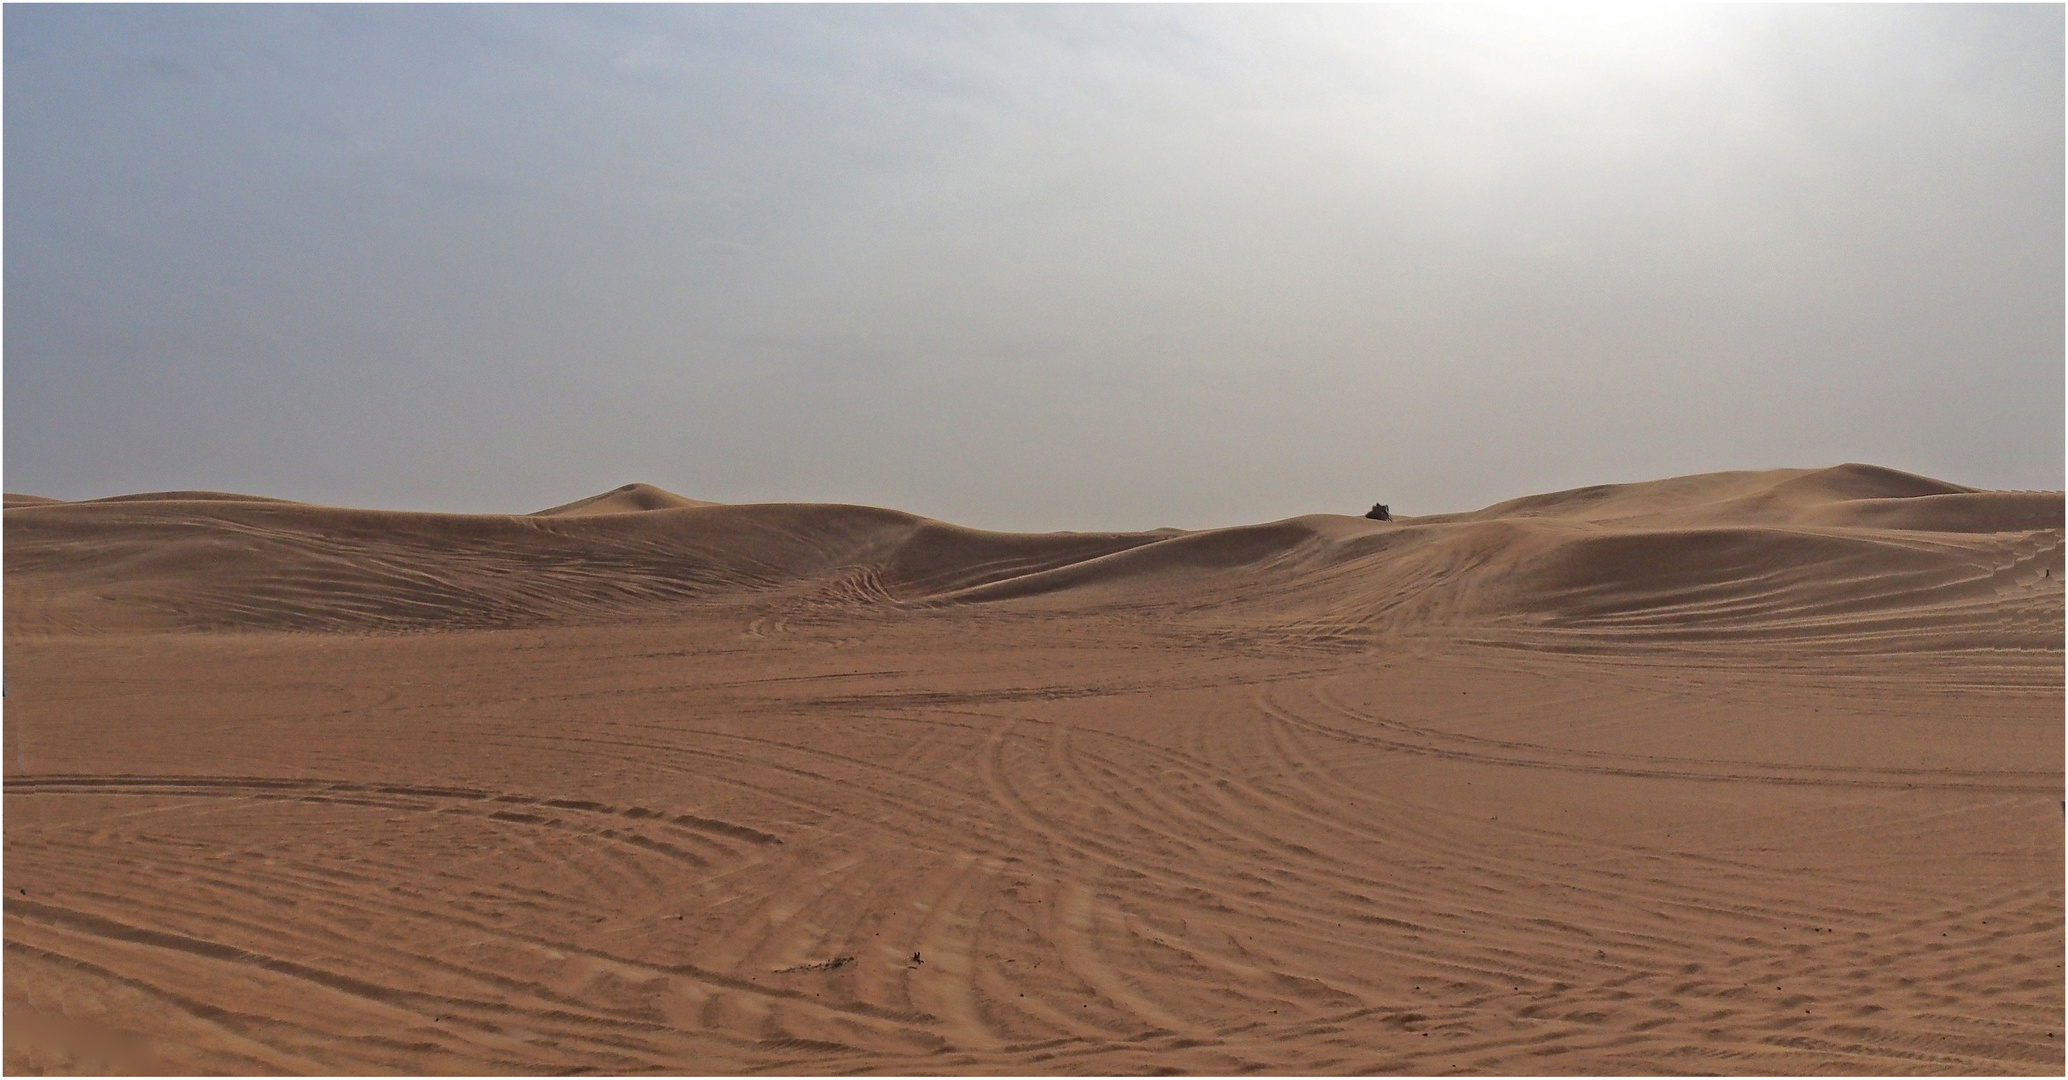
{"type": "Point", "coordinates": [630, 499]}
{"type": "Point", "coordinates": [1829, 552]}
{"type": "Point", "coordinates": [1750, 772]}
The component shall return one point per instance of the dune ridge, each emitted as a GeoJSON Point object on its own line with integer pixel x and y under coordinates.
{"type": "Point", "coordinates": [1734, 773]}
{"type": "Point", "coordinates": [1854, 550]}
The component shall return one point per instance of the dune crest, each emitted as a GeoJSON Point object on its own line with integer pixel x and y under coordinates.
{"type": "Point", "coordinates": [629, 499]}
{"type": "Point", "coordinates": [190, 496]}
{"type": "Point", "coordinates": [1775, 497]}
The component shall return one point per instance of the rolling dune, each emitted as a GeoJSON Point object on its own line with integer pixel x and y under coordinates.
{"type": "Point", "coordinates": [1741, 772]}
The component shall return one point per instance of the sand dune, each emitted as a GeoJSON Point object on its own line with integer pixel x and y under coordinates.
{"type": "Point", "coordinates": [630, 499]}
{"type": "Point", "coordinates": [1741, 772]}
{"type": "Point", "coordinates": [1833, 552]}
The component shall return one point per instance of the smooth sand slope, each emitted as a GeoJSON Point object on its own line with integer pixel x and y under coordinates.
{"type": "Point", "coordinates": [1742, 772]}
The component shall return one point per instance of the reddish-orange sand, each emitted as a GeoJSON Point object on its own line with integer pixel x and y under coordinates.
{"type": "Point", "coordinates": [1737, 773]}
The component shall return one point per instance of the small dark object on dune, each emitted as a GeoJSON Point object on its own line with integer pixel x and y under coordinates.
{"type": "Point", "coordinates": [1379, 512]}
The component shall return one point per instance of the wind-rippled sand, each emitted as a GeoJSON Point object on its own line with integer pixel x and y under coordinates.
{"type": "Point", "coordinates": [1741, 773]}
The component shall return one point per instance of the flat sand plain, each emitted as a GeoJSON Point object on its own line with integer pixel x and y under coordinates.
{"type": "Point", "coordinates": [1734, 773]}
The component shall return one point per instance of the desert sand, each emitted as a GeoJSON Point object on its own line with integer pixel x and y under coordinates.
{"type": "Point", "coordinates": [1733, 773]}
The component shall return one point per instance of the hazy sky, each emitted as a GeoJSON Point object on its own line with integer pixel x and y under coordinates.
{"type": "Point", "coordinates": [1026, 267]}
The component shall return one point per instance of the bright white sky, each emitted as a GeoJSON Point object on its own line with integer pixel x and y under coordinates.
{"type": "Point", "coordinates": [1026, 267]}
